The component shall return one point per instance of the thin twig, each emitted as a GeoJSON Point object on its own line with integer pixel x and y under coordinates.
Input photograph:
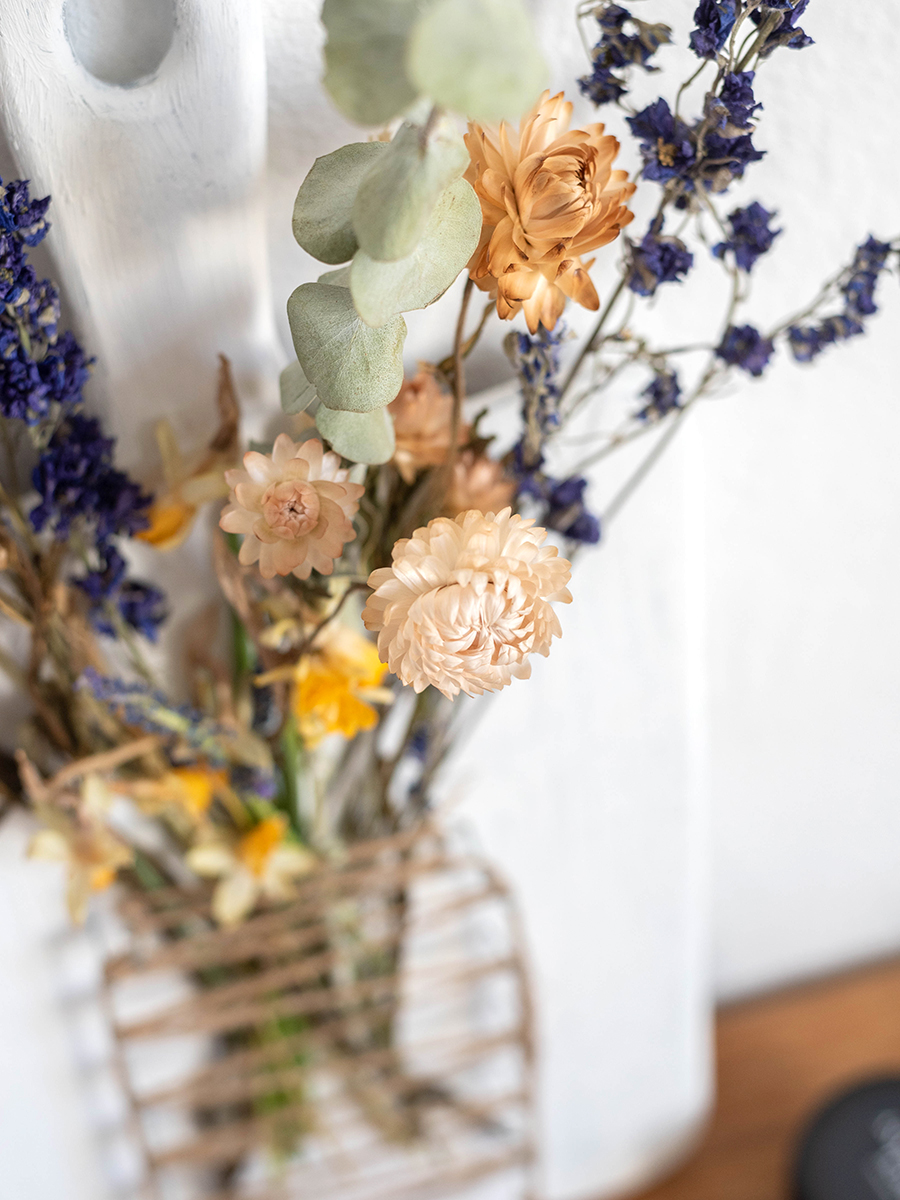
{"type": "Point", "coordinates": [459, 379]}
{"type": "Point", "coordinates": [108, 760]}
{"type": "Point", "coordinates": [589, 345]}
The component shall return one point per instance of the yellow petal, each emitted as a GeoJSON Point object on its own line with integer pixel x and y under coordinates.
{"type": "Point", "coordinates": [170, 523]}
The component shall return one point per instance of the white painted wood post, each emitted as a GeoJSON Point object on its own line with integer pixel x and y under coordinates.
{"type": "Point", "coordinates": [158, 209]}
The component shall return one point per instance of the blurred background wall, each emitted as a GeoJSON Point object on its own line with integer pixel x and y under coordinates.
{"type": "Point", "coordinates": [800, 495]}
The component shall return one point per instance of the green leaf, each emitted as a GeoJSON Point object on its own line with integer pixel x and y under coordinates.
{"type": "Point", "coordinates": [398, 194]}
{"type": "Point", "coordinates": [362, 437]}
{"type": "Point", "coordinates": [381, 290]}
{"type": "Point", "coordinates": [297, 393]}
{"type": "Point", "coordinates": [322, 210]}
{"type": "Point", "coordinates": [338, 278]}
{"type": "Point", "coordinates": [352, 366]}
{"type": "Point", "coordinates": [478, 57]}
{"type": "Point", "coordinates": [365, 70]}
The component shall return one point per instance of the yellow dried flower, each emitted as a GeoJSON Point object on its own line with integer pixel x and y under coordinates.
{"type": "Point", "coordinates": [83, 841]}
{"type": "Point", "coordinates": [548, 195]}
{"type": "Point", "coordinates": [336, 686]}
{"type": "Point", "coordinates": [191, 789]}
{"type": "Point", "coordinates": [191, 483]}
{"type": "Point", "coordinates": [261, 864]}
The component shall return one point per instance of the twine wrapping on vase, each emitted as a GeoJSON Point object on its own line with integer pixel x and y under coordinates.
{"type": "Point", "coordinates": [370, 1040]}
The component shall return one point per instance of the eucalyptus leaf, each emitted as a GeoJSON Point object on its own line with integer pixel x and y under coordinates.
{"type": "Point", "coordinates": [338, 278]}
{"type": "Point", "coordinates": [362, 437]}
{"type": "Point", "coordinates": [297, 393]}
{"type": "Point", "coordinates": [365, 70]}
{"type": "Point", "coordinates": [322, 210]}
{"type": "Point", "coordinates": [399, 192]}
{"type": "Point", "coordinates": [478, 57]}
{"type": "Point", "coordinates": [381, 290]}
{"type": "Point", "coordinates": [352, 366]}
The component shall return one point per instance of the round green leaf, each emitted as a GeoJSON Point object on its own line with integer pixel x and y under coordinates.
{"type": "Point", "coordinates": [398, 194]}
{"type": "Point", "coordinates": [351, 365]}
{"type": "Point", "coordinates": [478, 57]}
{"type": "Point", "coordinates": [338, 278]}
{"type": "Point", "coordinates": [322, 210]}
{"type": "Point", "coordinates": [381, 290]}
{"type": "Point", "coordinates": [365, 70]}
{"type": "Point", "coordinates": [297, 393]}
{"type": "Point", "coordinates": [363, 437]}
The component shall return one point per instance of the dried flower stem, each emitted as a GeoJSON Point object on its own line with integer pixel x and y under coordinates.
{"type": "Point", "coordinates": [459, 379]}
{"type": "Point", "coordinates": [108, 760]}
{"type": "Point", "coordinates": [590, 343]}
{"type": "Point", "coordinates": [307, 644]}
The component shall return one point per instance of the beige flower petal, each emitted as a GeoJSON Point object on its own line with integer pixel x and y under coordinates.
{"type": "Point", "coordinates": [235, 897]}
{"type": "Point", "coordinates": [210, 859]}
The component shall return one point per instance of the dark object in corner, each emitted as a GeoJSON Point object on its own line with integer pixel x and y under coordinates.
{"type": "Point", "coordinates": [851, 1150]}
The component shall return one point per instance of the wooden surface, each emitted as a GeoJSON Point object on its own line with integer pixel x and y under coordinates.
{"type": "Point", "coordinates": [780, 1058]}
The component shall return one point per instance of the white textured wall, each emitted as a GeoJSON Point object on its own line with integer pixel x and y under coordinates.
{"type": "Point", "coordinates": [803, 519]}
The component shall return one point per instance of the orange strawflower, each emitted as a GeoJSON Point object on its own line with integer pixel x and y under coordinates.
{"type": "Point", "coordinates": [548, 195]}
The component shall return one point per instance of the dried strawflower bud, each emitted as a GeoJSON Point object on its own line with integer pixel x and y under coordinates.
{"type": "Point", "coordinates": [478, 482]}
{"type": "Point", "coordinates": [548, 196]}
{"type": "Point", "coordinates": [467, 601]}
{"type": "Point", "coordinates": [293, 507]}
{"type": "Point", "coordinates": [423, 416]}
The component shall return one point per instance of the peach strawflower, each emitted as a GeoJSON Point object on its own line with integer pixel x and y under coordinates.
{"type": "Point", "coordinates": [423, 415]}
{"type": "Point", "coordinates": [294, 508]}
{"type": "Point", "coordinates": [548, 195]}
{"type": "Point", "coordinates": [478, 482]}
{"type": "Point", "coordinates": [467, 601]}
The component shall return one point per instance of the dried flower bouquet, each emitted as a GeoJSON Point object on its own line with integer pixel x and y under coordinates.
{"type": "Point", "coordinates": [387, 510]}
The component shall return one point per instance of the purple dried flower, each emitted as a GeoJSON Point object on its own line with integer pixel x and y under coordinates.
{"type": "Point", "coordinates": [141, 606]}
{"type": "Point", "coordinates": [75, 479]}
{"type": "Point", "coordinates": [786, 33]}
{"type": "Point", "coordinates": [750, 235]}
{"type": "Point", "coordinates": [618, 50]}
{"type": "Point", "coordinates": [714, 22]}
{"type": "Point", "coordinates": [666, 144]}
{"type": "Point", "coordinates": [663, 395]}
{"type": "Point", "coordinates": [745, 347]}
{"type": "Point", "coordinates": [657, 259]}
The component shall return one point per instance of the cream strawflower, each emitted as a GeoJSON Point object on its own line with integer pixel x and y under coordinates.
{"type": "Point", "coordinates": [466, 602]}
{"type": "Point", "coordinates": [293, 507]}
{"type": "Point", "coordinates": [548, 195]}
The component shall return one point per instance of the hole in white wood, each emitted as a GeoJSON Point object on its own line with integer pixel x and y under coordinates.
{"type": "Point", "coordinates": [120, 41]}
